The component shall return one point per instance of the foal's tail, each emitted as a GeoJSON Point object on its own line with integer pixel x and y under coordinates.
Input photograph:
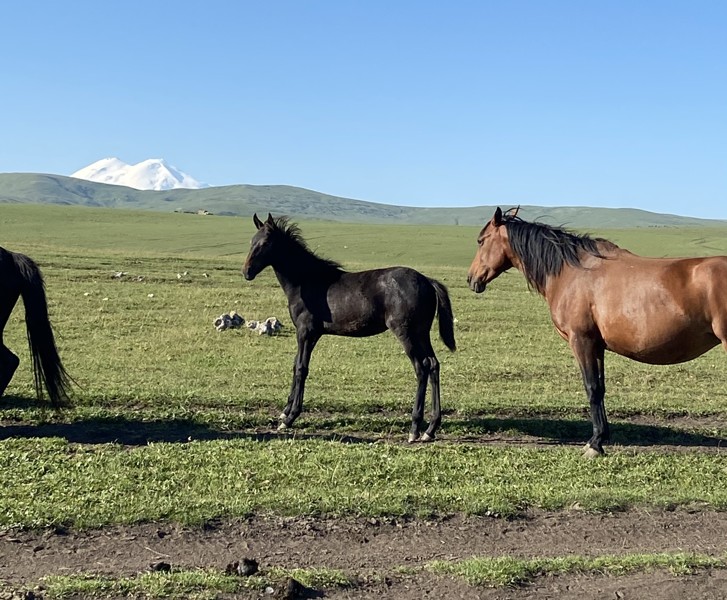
{"type": "Point", "coordinates": [444, 314]}
{"type": "Point", "coordinates": [47, 367]}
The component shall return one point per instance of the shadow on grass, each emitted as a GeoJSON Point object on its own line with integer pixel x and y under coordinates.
{"type": "Point", "coordinates": [570, 431]}
{"type": "Point", "coordinates": [129, 431]}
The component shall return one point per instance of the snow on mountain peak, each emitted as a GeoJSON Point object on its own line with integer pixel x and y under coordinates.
{"type": "Point", "coordinates": [150, 174]}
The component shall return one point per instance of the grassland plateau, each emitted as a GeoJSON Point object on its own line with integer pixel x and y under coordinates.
{"type": "Point", "coordinates": [168, 466]}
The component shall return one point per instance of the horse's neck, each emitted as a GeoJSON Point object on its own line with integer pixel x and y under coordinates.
{"type": "Point", "coordinates": [293, 275]}
{"type": "Point", "coordinates": [290, 282]}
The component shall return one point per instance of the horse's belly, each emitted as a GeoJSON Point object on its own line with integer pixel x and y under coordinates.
{"type": "Point", "coordinates": [677, 347]}
{"type": "Point", "coordinates": [355, 325]}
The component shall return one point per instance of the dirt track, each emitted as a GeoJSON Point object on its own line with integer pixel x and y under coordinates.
{"type": "Point", "coordinates": [371, 551]}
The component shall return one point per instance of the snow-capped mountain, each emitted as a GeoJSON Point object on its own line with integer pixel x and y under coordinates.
{"type": "Point", "coordinates": [151, 174]}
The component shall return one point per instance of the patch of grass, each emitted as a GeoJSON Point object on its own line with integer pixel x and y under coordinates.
{"type": "Point", "coordinates": [46, 482]}
{"type": "Point", "coordinates": [153, 374]}
{"type": "Point", "coordinates": [508, 571]}
{"type": "Point", "coordinates": [198, 584]}
{"type": "Point", "coordinates": [202, 584]}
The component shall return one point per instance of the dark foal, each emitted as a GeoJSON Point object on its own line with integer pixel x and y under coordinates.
{"type": "Point", "coordinates": [325, 299]}
{"type": "Point", "coordinates": [20, 277]}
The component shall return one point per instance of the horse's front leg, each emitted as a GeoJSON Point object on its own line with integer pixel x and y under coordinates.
{"type": "Point", "coordinates": [306, 342]}
{"type": "Point", "coordinates": [590, 356]}
{"type": "Point", "coordinates": [8, 364]}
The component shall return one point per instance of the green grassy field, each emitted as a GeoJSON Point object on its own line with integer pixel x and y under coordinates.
{"type": "Point", "coordinates": [173, 420]}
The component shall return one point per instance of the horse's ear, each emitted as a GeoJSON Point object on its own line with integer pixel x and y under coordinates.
{"type": "Point", "coordinates": [269, 220]}
{"type": "Point", "coordinates": [497, 217]}
{"type": "Point", "coordinates": [258, 222]}
{"type": "Point", "coordinates": [512, 212]}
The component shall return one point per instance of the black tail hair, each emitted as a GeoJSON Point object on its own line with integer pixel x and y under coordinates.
{"type": "Point", "coordinates": [48, 369]}
{"type": "Point", "coordinates": [444, 315]}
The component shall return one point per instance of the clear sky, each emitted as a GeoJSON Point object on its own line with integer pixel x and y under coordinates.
{"type": "Point", "coordinates": [551, 102]}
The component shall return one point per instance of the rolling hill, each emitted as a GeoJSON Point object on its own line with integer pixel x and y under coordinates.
{"type": "Point", "coordinates": [302, 203]}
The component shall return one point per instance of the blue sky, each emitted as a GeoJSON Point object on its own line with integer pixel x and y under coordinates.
{"type": "Point", "coordinates": [619, 103]}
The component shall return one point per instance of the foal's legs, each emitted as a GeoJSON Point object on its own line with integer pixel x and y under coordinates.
{"type": "Point", "coordinates": [307, 340]}
{"type": "Point", "coordinates": [429, 434]}
{"type": "Point", "coordinates": [426, 367]}
{"type": "Point", "coordinates": [589, 353]}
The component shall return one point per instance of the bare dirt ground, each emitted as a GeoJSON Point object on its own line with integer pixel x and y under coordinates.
{"type": "Point", "coordinates": [372, 552]}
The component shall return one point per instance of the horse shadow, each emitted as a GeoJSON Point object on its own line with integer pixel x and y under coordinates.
{"type": "Point", "coordinates": [130, 431]}
{"type": "Point", "coordinates": [572, 431]}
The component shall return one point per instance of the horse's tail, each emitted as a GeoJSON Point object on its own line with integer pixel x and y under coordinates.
{"type": "Point", "coordinates": [444, 315]}
{"type": "Point", "coordinates": [47, 367]}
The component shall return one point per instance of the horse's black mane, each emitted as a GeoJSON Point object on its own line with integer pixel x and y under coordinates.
{"type": "Point", "coordinates": [544, 249]}
{"type": "Point", "coordinates": [300, 253]}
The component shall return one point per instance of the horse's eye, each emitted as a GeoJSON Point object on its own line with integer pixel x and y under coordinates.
{"type": "Point", "coordinates": [480, 241]}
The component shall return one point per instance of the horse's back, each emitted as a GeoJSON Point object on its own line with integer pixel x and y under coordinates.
{"type": "Point", "coordinates": [368, 302]}
{"type": "Point", "coordinates": [659, 311]}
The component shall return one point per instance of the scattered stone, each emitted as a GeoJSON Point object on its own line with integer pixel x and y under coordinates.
{"type": "Point", "coordinates": [269, 326]}
{"type": "Point", "coordinates": [232, 320]}
{"type": "Point", "coordinates": [247, 567]}
{"type": "Point", "coordinates": [294, 589]}
{"type": "Point", "coordinates": [119, 274]}
{"type": "Point", "coordinates": [229, 320]}
{"type": "Point", "coordinates": [161, 567]}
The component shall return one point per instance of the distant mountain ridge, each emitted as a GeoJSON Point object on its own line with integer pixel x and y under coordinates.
{"type": "Point", "coordinates": [152, 174]}
{"type": "Point", "coordinates": [301, 203]}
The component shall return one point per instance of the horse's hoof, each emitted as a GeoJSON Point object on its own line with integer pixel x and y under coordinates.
{"type": "Point", "coordinates": [592, 453]}
{"type": "Point", "coordinates": [427, 437]}
{"type": "Point", "coordinates": [413, 438]}
{"type": "Point", "coordinates": [282, 427]}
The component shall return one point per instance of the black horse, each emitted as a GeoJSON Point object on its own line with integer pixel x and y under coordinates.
{"type": "Point", "coordinates": [325, 299]}
{"type": "Point", "coordinates": [21, 277]}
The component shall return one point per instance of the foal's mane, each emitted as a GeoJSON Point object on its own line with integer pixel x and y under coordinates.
{"type": "Point", "coordinates": [298, 249]}
{"type": "Point", "coordinates": [544, 249]}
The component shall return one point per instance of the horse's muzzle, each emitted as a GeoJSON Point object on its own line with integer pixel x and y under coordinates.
{"type": "Point", "coordinates": [477, 286]}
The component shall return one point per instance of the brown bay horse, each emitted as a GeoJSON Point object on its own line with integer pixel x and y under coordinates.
{"type": "Point", "coordinates": [20, 277]}
{"type": "Point", "coordinates": [653, 310]}
{"type": "Point", "coordinates": [324, 299]}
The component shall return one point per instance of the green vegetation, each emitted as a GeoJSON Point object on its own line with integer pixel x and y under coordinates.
{"type": "Point", "coordinates": [478, 571]}
{"type": "Point", "coordinates": [174, 421]}
{"type": "Point", "coordinates": [51, 482]}
{"type": "Point", "coordinates": [504, 570]}
{"type": "Point", "coordinates": [188, 584]}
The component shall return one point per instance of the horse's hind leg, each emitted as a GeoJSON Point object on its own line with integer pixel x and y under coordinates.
{"type": "Point", "coordinates": [415, 351]}
{"type": "Point", "coordinates": [8, 364]}
{"type": "Point", "coordinates": [421, 369]}
{"type": "Point", "coordinates": [8, 361]}
{"type": "Point", "coordinates": [436, 420]}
